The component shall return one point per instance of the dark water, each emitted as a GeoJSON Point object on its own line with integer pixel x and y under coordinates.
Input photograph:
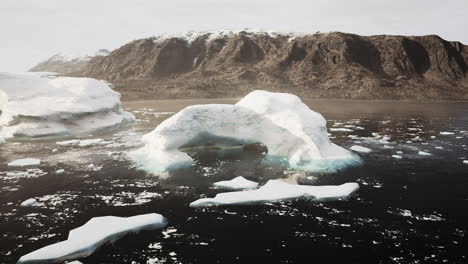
{"type": "Point", "coordinates": [409, 210]}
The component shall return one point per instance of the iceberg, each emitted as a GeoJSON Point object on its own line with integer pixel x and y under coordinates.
{"type": "Point", "coordinates": [84, 240]}
{"type": "Point", "coordinates": [276, 190]}
{"type": "Point", "coordinates": [24, 162]}
{"type": "Point", "coordinates": [33, 105]}
{"type": "Point", "coordinates": [292, 132]}
{"type": "Point", "coordinates": [238, 183]}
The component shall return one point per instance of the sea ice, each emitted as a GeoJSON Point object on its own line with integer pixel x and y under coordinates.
{"type": "Point", "coordinates": [33, 105]}
{"type": "Point", "coordinates": [80, 143]}
{"type": "Point", "coordinates": [423, 153]}
{"type": "Point", "coordinates": [84, 240]}
{"type": "Point", "coordinates": [446, 133]}
{"type": "Point", "coordinates": [276, 190]}
{"type": "Point", "coordinates": [340, 129]}
{"type": "Point", "coordinates": [360, 149]}
{"type": "Point", "coordinates": [292, 132]}
{"type": "Point", "coordinates": [397, 156]}
{"type": "Point", "coordinates": [28, 202]}
{"type": "Point", "coordinates": [25, 162]}
{"type": "Point", "coordinates": [465, 162]}
{"type": "Point", "coordinates": [238, 183]}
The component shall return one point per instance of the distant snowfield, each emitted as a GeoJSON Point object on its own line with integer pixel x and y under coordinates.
{"type": "Point", "coordinates": [40, 104]}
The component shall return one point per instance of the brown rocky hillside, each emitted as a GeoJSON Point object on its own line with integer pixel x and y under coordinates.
{"type": "Point", "coordinates": [323, 65]}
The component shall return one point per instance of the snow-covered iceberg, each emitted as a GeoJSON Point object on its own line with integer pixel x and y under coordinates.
{"type": "Point", "coordinates": [276, 190]}
{"type": "Point", "coordinates": [35, 105]}
{"type": "Point", "coordinates": [292, 132]}
{"type": "Point", "coordinates": [84, 240]}
{"type": "Point", "coordinates": [238, 183]}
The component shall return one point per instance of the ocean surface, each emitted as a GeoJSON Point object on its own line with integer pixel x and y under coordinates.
{"type": "Point", "coordinates": [412, 209]}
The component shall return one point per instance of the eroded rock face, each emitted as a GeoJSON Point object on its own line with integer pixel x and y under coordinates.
{"type": "Point", "coordinates": [328, 65]}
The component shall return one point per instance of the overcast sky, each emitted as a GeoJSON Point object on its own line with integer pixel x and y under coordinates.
{"type": "Point", "coordinates": [33, 30]}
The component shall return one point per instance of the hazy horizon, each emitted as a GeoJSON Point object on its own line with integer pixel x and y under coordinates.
{"type": "Point", "coordinates": [35, 30]}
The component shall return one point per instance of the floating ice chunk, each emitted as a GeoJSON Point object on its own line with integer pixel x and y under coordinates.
{"type": "Point", "coordinates": [397, 156]}
{"type": "Point", "coordinates": [84, 240]}
{"type": "Point", "coordinates": [25, 162]}
{"type": "Point", "coordinates": [35, 105]}
{"type": "Point", "coordinates": [444, 133]}
{"type": "Point", "coordinates": [292, 132]}
{"type": "Point", "coordinates": [340, 129]}
{"type": "Point", "coordinates": [439, 147]}
{"type": "Point", "coordinates": [423, 153]}
{"type": "Point", "coordinates": [238, 183]}
{"type": "Point", "coordinates": [360, 149]}
{"type": "Point", "coordinates": [28, 202]}
{"type": "Point", "coordinates": [399, 152]}
{"type": "Point", "coordinates": [60, 171]}
{"type": "Point", "coordinates": [465, 162]}
{"type": "Point", "coordinates": [80, 143]}
{"type": "Point", "coordinates": [275, 190]}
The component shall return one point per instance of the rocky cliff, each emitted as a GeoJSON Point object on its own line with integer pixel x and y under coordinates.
{"type": "Point", "coordinates": [322, 65]}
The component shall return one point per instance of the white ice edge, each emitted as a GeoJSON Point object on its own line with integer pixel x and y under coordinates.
{"type": "Point", "coordinates": [276, 190]}
{"type": "Point", "coordinates": [84, 240]}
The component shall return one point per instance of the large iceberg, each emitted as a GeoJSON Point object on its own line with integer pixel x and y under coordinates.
{"type": "Point", "coordinates": [292, 132]}
{"type": "Point", "coordinates": [35, 105]}
{"type": "Point", "coordinates": [276, 190]}
{"type": "Point", "coordinates": [84, 240]}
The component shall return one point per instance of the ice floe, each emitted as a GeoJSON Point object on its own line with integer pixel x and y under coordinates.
{"type": "Point", "coordinates": [465, 162]}
{"type": "Point", "coordinates": [82, 142]}
{"type": "Point", "coordinates": [276, 190]}
{"type": "Point", "coordinates": [340, 129]}
{"type": "Point", "coordinates": [84, 240]}
{"type": "Point", "coordinates": [238, 183]}
{"type": "Point", "coordinates": [24, 162]}
{"type": "Point", "coordinates": [292, 132]}
{"type": "Point", "coordinates": [423, 153]}
{"type": "Point", "coordinates": [28, 202]}
{"type": "Point", "coordinates": [445, 133]}
{"type": "Point", "coordinates": [33, 105]}
{"type": "Point", "coordinates": [397, 156]}
{"type": "Point", "coordinates": [360, 149]}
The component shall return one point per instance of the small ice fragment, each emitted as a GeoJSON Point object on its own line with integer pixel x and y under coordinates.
{"type": "Point", "coordinates": [360, 149]}
{"type": "Point", "coordinates": [446, 133]}
{"type": "Point", "coordinates": [25, 162]}
{"type": "Point", "coordinates": [28, 202]}
{"type": "Point", "coordinates": [397, 156]}
{"type": "Point", "coordinates": [60, 171]}
{"type": "Point", "coordinates": [438, 147]}
{"type": "Point", "coordinates": [422, 153]}
{"type": "Point", "coordinates": [465, 162]}
{"type": "Point", "coordinates": [341, 129]}
{"type": "Point", "coordinates": [433, 136]}
{"type": "Point", "coordinates": [238, 183]}
{"type": "Point", "coordinates": [399, 152]}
